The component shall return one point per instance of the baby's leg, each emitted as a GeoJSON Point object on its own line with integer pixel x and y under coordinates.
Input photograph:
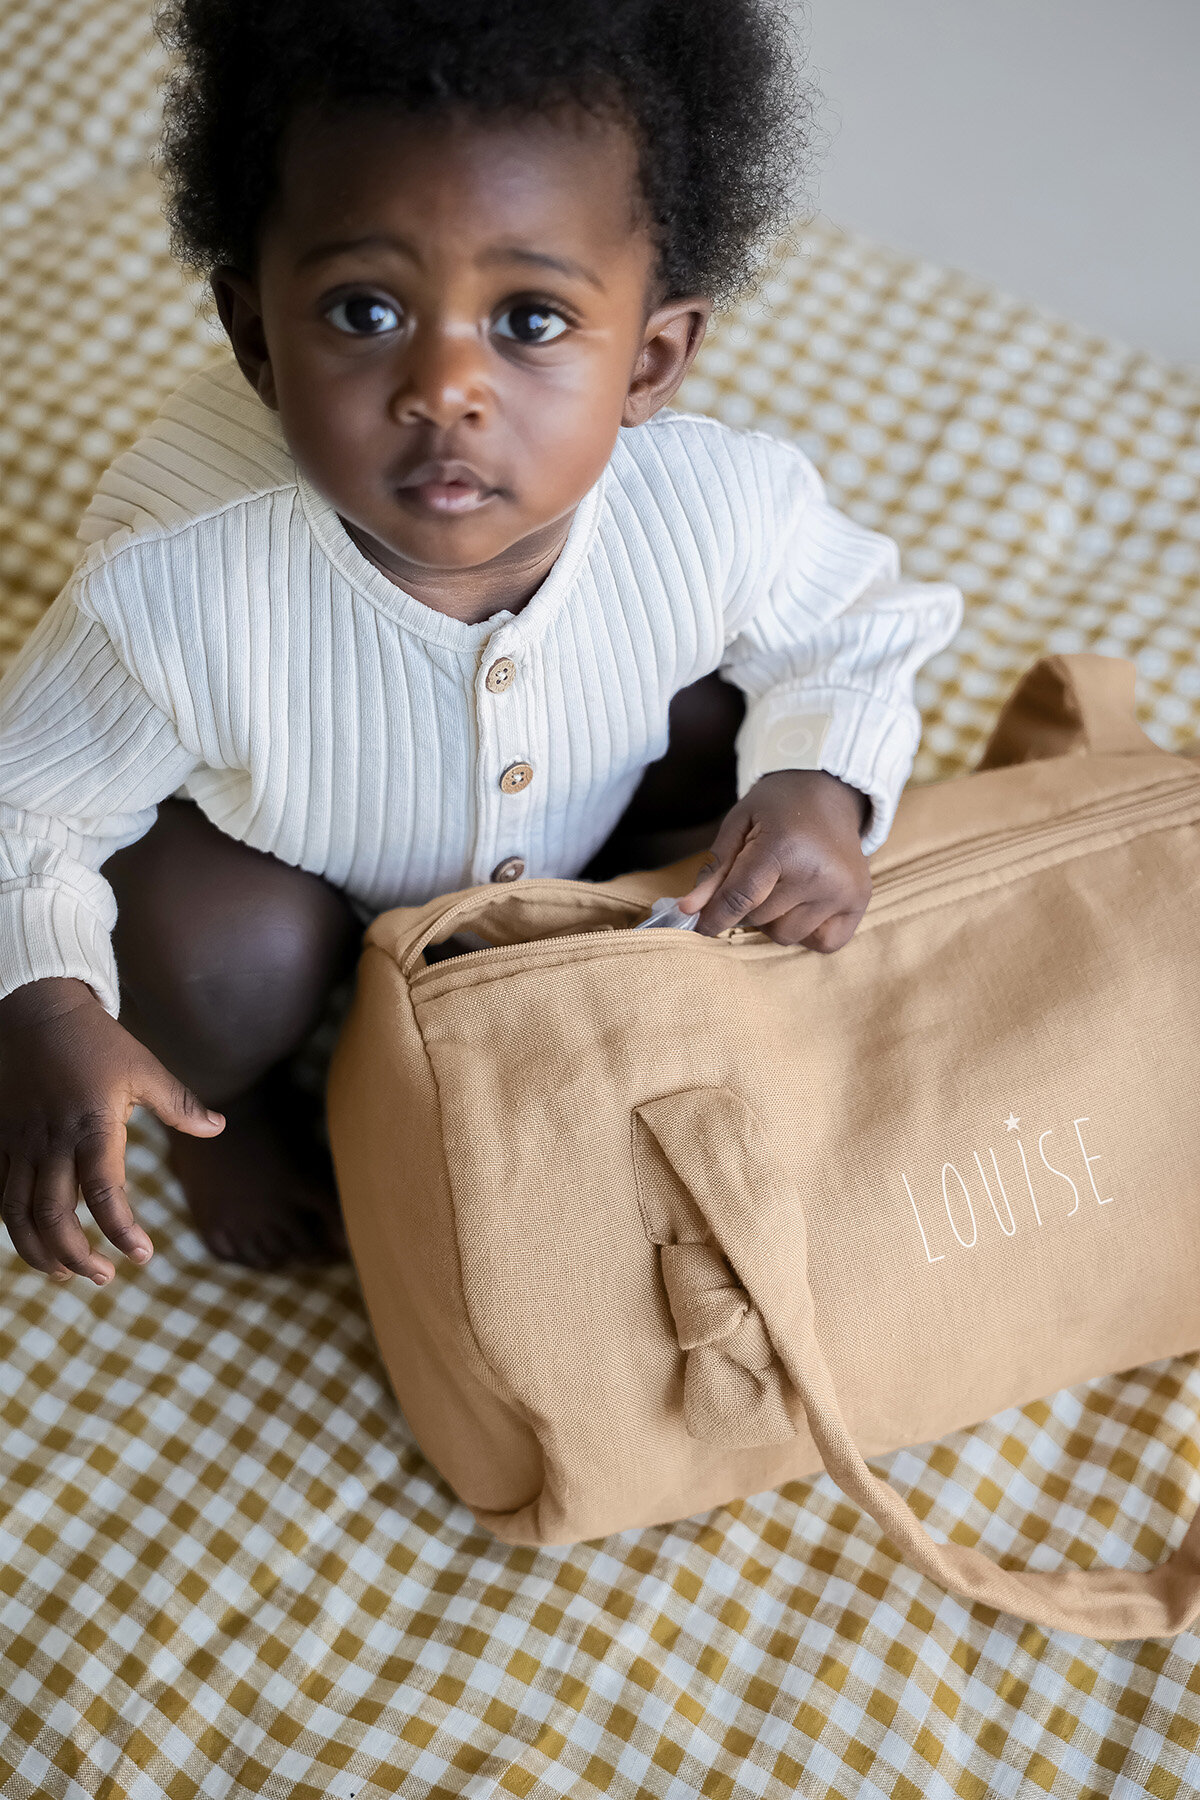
{"type": "Point", "coordinates": [227, 957]}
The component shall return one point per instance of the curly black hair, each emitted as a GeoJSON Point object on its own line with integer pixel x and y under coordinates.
{"type": "Point", "coordinates": [710, 88]}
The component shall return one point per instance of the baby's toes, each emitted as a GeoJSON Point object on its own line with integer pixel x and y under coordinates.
{"type": "Point", "coordinates": [273, 1248]}
{"type": "Point", "coordinates": [243, 1247]}
{"type": "Point", "coordinates": [220, 1244]}
{"type": "Point", "coordinates": [313, 1238]}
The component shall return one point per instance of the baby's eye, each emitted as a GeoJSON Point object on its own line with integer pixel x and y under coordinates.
{"type": "Point", "coordinates": [362, 315]}
{"type": "Point", "coordinates": [530, 324]}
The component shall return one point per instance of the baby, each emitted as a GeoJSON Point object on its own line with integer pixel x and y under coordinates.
{"type": "Point", "coordinates": [411, 592]}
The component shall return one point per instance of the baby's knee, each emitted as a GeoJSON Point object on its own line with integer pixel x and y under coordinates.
{"type": "Point", "coordinates": [236, 975]}
{"type": "Point", "coordinates": [225, 953]}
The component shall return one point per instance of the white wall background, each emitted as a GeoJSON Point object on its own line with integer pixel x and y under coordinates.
{"type": "Point", "coordinates": [1050, 146]}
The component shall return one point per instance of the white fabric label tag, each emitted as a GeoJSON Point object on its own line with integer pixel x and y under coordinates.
{"type": "Point", "coordinates": [793, 742]}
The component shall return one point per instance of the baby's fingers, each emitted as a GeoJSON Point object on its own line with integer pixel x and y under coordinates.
{"type": "Point", "coordinates": [805, 924]}
{"type": "Point", "coordinates": [835, 933]}
{"type": "Point", "coordinates": [175, 1104]}
{"type": "Point", "coordinates": [716, 865]}
{"type": "Point", "coordinates": [56, 1222]}
{"type": "Point", "coordinates": [745, 887]}
{"type": "Point", "coordinates": [100, 1167]}
{"type": "Point", "coordinates": [18, 1217]}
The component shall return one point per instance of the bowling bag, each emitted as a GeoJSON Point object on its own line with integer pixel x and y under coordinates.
{"type": "Point", "coordinates": [647, 1221]}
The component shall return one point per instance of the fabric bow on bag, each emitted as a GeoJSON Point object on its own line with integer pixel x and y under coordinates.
{"type": "Point", "coordinates": [732, 1380]}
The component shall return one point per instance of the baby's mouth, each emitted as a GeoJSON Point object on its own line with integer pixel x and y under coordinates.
{"type": "Point", "coordinates": [446, 488]}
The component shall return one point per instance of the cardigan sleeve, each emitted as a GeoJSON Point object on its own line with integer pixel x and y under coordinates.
{"type": "Point", "coordinates": [828, 655]}
{"type": "Point", "coordinates": [85, 757]}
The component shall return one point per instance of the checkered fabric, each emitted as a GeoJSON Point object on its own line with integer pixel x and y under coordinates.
{"type": "Point", "coordinates": [224, 1568]}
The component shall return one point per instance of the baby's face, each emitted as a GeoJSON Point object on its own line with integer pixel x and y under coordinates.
{"type": "Point", "coordinates": [453, 318]}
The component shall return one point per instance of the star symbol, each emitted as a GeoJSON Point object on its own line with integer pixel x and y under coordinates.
{"type": "Point", "coordinates": [1011, 1123]}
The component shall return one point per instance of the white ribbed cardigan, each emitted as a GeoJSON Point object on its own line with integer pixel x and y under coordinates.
{"type": "Point", "coordinates": [223, 637]}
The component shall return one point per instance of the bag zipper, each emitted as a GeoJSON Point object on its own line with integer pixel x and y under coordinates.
{"type": "Point", "coordinates": [1156, 808]}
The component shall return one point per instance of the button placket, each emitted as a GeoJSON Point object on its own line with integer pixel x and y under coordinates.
{"type": "Point", "coordinates": [504, 771]}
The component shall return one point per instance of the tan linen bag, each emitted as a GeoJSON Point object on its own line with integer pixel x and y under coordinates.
{"type": "Point", "coordinates": [647, 1221]}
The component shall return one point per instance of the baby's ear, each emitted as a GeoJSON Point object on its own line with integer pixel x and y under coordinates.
{"type": "Point", "coordinates": [240, 311]}
{"type": "Point", "coordinates": [674, 332]}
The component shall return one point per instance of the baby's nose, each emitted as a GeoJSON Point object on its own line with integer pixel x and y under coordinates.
{"type": "Point", "coordinates": [443, 380]}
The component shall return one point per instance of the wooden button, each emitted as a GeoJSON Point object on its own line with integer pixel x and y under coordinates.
{"type": "Point", "coordinates": [516, 778]}
{"type": "Point", "coordinates": [500, 675]}
{"type": "Point", "coordinates": [511, 869]}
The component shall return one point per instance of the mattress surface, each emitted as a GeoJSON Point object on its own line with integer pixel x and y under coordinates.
{"type": "Point", "coordinates": [224, 1567]}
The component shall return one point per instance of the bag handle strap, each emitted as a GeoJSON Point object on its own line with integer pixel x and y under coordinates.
{"type": "Point", "coordinates": [1064, 706]}
{"type": "Point", "coordinates": [507, 915]}
{"type": "Point", "coordinates": [704, 1166]}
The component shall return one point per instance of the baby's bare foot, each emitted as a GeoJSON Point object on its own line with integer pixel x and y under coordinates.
{"type": "Point", "coordinates": [262, 1193]}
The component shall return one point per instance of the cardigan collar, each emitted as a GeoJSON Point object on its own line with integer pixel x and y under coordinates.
{"type": "Point", "coordinates": [339, 549]}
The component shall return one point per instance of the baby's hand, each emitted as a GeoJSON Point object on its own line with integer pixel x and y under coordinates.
{"type": "Point", "coordinates": [69, 1078]}
{"type": "Point", "coordinates": [788, 861]}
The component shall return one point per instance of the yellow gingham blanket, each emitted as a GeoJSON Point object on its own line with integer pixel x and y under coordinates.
{"type": "Point", "coordinates": [225, 1570]}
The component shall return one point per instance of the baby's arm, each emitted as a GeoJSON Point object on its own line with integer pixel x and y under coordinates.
{"type": "Point", "coordinates": [827, 662]}
{"type": "Point", "coordinates": [85, 756]}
